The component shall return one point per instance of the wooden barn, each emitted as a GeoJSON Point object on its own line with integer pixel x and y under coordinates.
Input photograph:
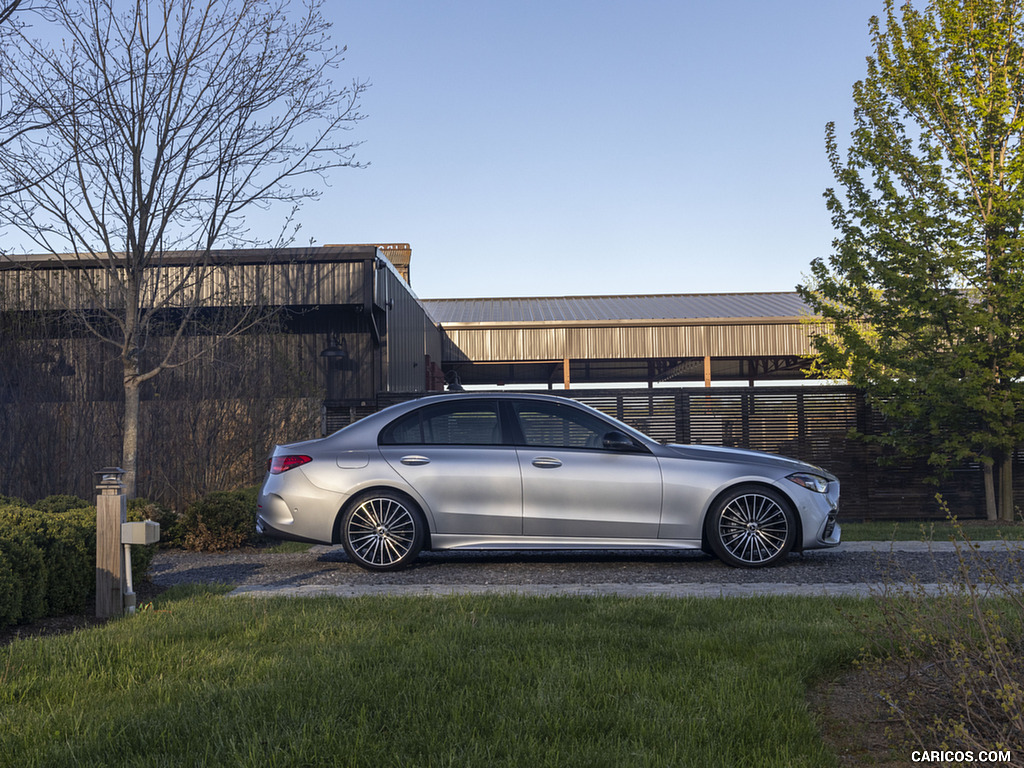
{"type": "Point", "coordinates": [354, 321]}
{"type": "Point", "coordinates": [325, 331]}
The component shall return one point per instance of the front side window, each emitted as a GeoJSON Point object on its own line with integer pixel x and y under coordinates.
{"type": "Point", "coordinates": [552, 425]}
{"type": "Point", "coordinates": [471, 422]}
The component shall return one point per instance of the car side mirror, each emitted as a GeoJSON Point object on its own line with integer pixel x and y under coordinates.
{"type": "Point", "coordinates": [616, 441]}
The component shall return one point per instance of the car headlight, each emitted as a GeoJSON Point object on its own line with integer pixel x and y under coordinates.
{"type": "Point", "coordinates": [811, 482]}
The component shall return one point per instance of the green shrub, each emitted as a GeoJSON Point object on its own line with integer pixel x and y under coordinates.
{"type": "Point", "coordinates": [171, 532]}
{"type": "Point", "coordinates": [67, 542]}
{"type": "Point", "coordinates": [71, 559]}
{"type": "Point", "coordinates": [10, 594]}
{"type": "Point", "coordinates": [12, 501]}
{"type": "Point", "coordinates": [48, 552]}
{"type": "Point", "coordinates": [221, 520]}
{"type": "Point", "coordinates": [29, 568]}
{"type": "Point", "coordinates": [60, 502]}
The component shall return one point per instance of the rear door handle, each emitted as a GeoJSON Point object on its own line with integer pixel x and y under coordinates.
{"type": "Point", "coordinates": [545, 462]}
{"type": "Point", "coordinates": [414, 461]}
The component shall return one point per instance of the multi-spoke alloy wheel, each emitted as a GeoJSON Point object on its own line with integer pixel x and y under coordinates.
{"type": "Point", "coordinates": [751, 527]}
{"type": "Point", "coordinates": [382, 532]}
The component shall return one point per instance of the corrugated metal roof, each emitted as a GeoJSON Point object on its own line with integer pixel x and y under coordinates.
{"type": "Point", "coordinates": [598, 309]}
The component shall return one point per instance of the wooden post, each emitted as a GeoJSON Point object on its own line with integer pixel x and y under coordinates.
{"type": "Point", "coordinates": [565, 372]}
{"type": "Point", "coordinates": [707, 370]}
{"type": "Point", "coordinates": [111, 512]}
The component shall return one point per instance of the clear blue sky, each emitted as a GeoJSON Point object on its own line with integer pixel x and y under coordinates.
{"type": "Point", "coordinates": [578, 147]}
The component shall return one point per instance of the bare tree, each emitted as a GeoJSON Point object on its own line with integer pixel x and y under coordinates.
{"type": "Point", "coordinates": [12, 13]}
{"type": "Point", "coordinates": [7, 9]}
{"type": "Point", "coordinates": [166, 122]}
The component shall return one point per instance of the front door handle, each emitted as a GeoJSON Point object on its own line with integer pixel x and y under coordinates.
{"type": "Point", "coordinates": [545, 462]}
{"type": "Point", "coordinates": [415, 461]}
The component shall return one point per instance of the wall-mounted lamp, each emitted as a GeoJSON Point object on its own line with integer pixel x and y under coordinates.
{"type": "Point", "coordinates": [338, 349]}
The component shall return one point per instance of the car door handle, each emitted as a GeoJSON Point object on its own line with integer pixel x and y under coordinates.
{"type": "Point", "coordinates": [414, 461]}
{"type": "Point", "coordinates": [544, 462]}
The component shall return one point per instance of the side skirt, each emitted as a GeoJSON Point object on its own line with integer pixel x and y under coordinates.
{"type": "Point", "coordinates": [439, 541]}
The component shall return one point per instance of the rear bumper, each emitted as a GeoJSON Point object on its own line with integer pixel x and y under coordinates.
{"type": "Point", "coordinates": [263, 528]}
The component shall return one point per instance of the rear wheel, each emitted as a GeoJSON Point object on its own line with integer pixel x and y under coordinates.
{"type": "Point", "coordinates": [382, 531]}
{"type": "Point", "coordinates": [751, 527]}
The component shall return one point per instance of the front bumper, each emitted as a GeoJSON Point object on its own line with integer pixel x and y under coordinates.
{"type": "Point", "coordinates": [818, 517]}
{"type": "Point", "coordinates": [831, 532]}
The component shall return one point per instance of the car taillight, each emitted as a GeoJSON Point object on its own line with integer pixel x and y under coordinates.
{"type": "Point", "coordinates": [278, 464]}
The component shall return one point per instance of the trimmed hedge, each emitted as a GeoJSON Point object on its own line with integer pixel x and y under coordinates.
{"type": "Point", "coordinates": [27, 602]}
{"type": "Point", "coordinates": [48, 557]}
{"type": "Point", "coordinates": [48, 549]}
{"type": "Point", "coordinates": [10, 594]}
{"type": "Point", "coordinates": [60, 502]}
{"type": "Point", "coordinates": [67, 543]}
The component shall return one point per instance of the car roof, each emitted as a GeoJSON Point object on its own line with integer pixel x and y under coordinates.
{"type": "Point", "coordinates": [479, 393]}
{"type": "Point", "coordinates": [376, 421]}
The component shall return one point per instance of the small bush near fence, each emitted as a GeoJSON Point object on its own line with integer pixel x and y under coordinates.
{"type": "Point", "coordinates": [221, 520]}
{"type": "Point", "coordinates": [48, 557]}
{"type": "Point", "coordinates": [171, 533]}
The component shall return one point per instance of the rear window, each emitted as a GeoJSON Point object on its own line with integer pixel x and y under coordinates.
{"type": "Point", "coordinates": [471, 422]}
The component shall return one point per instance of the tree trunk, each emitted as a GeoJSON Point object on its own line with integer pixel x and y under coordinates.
{"type": "Point", "coordinates": [130, 444]}
{"type": "Point", "coordinates": [1006, 507]}
{"type": "Point", "coordinates": [991, 512]}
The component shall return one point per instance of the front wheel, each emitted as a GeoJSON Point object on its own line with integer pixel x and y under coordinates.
{"type": "Point", "coordinates": [751, 527]}
{"type": "Point", "coordinates": [382, 531]}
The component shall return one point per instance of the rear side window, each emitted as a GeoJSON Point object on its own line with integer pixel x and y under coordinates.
{"type": "Point", "coordinates": [469, 422]}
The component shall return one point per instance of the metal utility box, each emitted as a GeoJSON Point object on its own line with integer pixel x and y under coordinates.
{"type": "Point", "coordinates": [146, 532]}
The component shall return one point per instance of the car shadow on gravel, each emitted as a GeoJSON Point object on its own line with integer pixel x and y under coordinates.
{"type": "Point", "coordinates": [209, 574]}
{"type": "Point", "coordinates": [502, 557]}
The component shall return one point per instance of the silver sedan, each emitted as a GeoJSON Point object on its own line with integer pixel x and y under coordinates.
{"type": "Point", "coordinates": [510, 471]}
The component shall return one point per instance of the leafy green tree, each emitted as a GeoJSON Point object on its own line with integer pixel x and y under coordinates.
{"type": "Point", "coordinates": [925, 285]}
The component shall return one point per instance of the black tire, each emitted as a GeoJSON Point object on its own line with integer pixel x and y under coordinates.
{"type": "Point", "coordinates": [751, 527]}
{"type": "Point", "coordinates": [382, 531]}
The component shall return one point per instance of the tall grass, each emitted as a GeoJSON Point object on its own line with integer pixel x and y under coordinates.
{"type": "Point", "coordinates": [202, 679]}
{"type": "Point", "coordinates": [951, 667]}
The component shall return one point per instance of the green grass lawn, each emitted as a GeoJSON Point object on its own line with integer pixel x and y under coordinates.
{"type": "Point", "coordinates": [939, 530]}
{"type": "Point", "coordinates": [202, 679]}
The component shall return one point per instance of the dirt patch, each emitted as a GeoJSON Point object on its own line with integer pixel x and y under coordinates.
{"type": "Point", "coordinates": [856, 723]}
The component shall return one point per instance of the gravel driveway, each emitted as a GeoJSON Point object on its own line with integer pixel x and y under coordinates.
{"type": "Point", "coordinates": [854, 568]}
